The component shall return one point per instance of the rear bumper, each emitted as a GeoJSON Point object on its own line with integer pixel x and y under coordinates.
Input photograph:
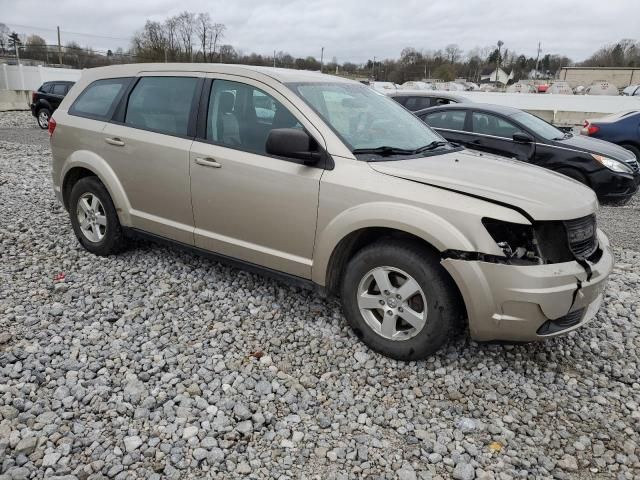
{"type": "Point", "coordinates": [512, 303]}
{"type": "Point", "coordinates": [32, 106]}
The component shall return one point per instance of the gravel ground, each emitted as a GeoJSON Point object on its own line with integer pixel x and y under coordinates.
{"type": "Point", "coordinates": [158, 364]}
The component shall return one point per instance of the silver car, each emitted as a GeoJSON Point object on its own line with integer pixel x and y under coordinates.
{"type": "Point", "coordinates": [324, 182]}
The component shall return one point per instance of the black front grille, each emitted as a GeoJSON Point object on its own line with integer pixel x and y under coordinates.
{"type": "Point", "coordinates": [582, 236]}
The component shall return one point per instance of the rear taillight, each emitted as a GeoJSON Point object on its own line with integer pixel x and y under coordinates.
{"type": "Point", "coordinates": [589, 129]}
{"type": "Point", "coordinates": [33, 96]}
{"type": "Point", "coordinates": [52, 126]}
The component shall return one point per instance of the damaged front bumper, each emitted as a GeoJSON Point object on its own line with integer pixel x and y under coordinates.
{"type": "Point", "coordinates": [531, 302]}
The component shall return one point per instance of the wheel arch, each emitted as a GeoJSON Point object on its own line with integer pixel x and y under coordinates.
{"type": "Point", "coordinates": [83, 163]}
{"type": "Point", "coordinates": [353, 229]}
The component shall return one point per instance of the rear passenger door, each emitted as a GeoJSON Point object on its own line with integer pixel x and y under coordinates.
{"type": "Point", "coordinates": [449, 123]}
{"type": "Point", "coordinates": [248, 204]}
{"type": "Point", "coordinates": [494, 134]}
{"type": "Point", "coordinates": [147, 145]}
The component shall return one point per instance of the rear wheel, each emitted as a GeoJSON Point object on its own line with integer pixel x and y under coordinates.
{"type": "Point", "coordinates": [399, 300]}
{"type": "Point", "coordinates": [94, 218]}
{"type": "Point", "coordinates": [43, 118]}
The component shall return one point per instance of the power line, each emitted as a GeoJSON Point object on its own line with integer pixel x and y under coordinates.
{"type": "Point", "coordinates": [68, 31]}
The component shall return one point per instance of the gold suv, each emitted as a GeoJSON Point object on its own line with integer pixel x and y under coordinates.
{"type": "Point", "coordinates": [323, 181]}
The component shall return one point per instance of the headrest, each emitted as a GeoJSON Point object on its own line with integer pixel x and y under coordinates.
{"type": "Point", "coordinates": [227, 99]}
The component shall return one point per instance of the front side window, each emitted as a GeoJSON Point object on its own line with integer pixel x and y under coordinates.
{"type": "Point", "coordinates": [366, 120]}
{"type": "Point", "coordinates": [538, 126]}
{"type": "Point", "coordinates": [98, 99]}
{"type": "Point", "coordinates": [161, 104]}
{"type": "Point", "coordinates": [487, 124]}
{"type": "Point", "coordinates": [449, 119]}
{"type": "Point", "coordinates": [241, 116]}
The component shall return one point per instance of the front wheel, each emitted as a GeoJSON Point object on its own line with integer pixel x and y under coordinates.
{"type": "Point", "coordinates": [43, 118]}
{"type": "Point", "coordinates": [94, 218]}
{"type": "Point", "coordinates": [399, 300]}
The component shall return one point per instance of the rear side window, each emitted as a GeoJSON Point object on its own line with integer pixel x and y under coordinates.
{"type": "Point", "coordinates": [59, 89]}
{"type": "Point", "coordinates": [99, 99]}
{"type": "Point", "coordinates": [417, 103]}
{"type": "Point", "coordinates": [46, 88]}
{"type": "Point", "coordinates": [161, 104]}
{"type": "Point", "coordinates": [449, 119]}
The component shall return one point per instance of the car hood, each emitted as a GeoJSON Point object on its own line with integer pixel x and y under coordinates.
{"type": "Point", "coordinates": [595, 145]}
{"type": "Point", "coordinates": [542, 194]}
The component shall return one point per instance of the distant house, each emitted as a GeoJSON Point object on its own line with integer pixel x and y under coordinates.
{"type": "Point", "coordinates": [497, 76]}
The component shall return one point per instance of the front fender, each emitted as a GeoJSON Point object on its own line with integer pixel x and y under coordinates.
{"type": "Point", "coordinates": [416, 221]}
{"type": "Point", "coordinates": [96, 164]}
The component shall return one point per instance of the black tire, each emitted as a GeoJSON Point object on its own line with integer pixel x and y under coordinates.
{"type": "Point", "coordinates": [113, 240]}
{"type": "Point", "coordinates": [633, 149]}
{"type": "Point", "coordinates": [43, 112]}
{"type": "Point", "coordinates": [444, 306]}
{"type": "Point", "coordinates": [575, 174]}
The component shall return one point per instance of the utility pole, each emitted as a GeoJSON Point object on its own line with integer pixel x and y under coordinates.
{"type": "Point", "coordinates": [321, 59]}
{"type": "Point", "coordinates": [59, 47]}
{"type": "Point", "coordinates": [500, 43]}
{"type": "Point", "coordinates": [165, 54]}
{"type": "Point", "coordinates": [374, 69]}
{"type": "Point", "coordinates": [538, 59]}
{"type": "Point", "coordinates": [274, 59]}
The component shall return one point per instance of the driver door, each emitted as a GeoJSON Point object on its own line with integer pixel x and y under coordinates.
{"type": "Point", "coordinates": [247, 204]}
{"type": "Point", "coordinates": [494, 134]}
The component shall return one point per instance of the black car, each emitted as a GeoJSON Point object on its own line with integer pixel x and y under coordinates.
{"type": "Point", "coordinates": [46, 99]}
{"type": "Point", "coordinates": [610, 170]}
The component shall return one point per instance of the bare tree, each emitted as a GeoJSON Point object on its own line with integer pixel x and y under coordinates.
{"type": "Point", "coordinates": [217, 34]}
{"type": "Point", "coordinates": [453, 52]}
{"type": "Point", "coordinates": [186, 26]}
{"type": "Point", "coordinates": [204, 30]}
{"type": "Point", "coordinates": [4, 34]}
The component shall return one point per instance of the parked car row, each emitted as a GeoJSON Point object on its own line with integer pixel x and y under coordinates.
{"type": "Point", "coordinates": [326, 183]}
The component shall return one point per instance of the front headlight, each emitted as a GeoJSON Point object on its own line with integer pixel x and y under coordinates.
{"type": "Point", "coordinates": [612, 164]}
{"type": "Point", "coordinates": [517, 241]}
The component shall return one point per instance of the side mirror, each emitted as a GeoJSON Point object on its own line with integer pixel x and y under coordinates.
{"type": "Point", "coordinates": [521, 137]}
{"type": "Point", "coordinates": [292, 143]}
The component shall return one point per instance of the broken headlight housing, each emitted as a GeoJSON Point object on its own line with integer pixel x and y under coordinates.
{"type": "Point", "coordinates": [541, 243]}
{"type": "Point", "coordinates": [517, 241]}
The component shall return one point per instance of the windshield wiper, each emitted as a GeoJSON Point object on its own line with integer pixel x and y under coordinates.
{"type": "Point", "coordinates": [564, 136]}
{"type": "Point", "coordinates": [384, 150]}
{"type": "Point", "coordinates": [431, 146]}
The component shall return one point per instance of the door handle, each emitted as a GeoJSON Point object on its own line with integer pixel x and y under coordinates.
{"type": "Point", "coordinates": [208, 162]}
{"type": "Point", "coordinates": [476, 142]}
{"type": "Point", "coordinates": [114, 141]}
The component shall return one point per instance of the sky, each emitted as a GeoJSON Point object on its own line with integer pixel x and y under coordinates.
{"type": "Point", "coordinates": [349, 30]}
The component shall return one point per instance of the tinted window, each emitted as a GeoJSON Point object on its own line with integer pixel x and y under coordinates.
{"type": "Point", "coordinates": [59, 89]}
{"type": "Point", "coordinates": [450, 119]}
{"type": "Point", "coordinates": [242, 116]}
{"type": "Point", "coordinates": [98, 98]}
{"type": "Point", "coordinates": [161, 104]}
{"type": "Point", "coordinates": [417, 103]}
{"type": "Point", "coordinates": [488, 124]}
{"type": "Point", "coordinates": [46, 88]}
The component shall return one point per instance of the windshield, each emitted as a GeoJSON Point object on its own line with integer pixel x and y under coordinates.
{"type": "Point", "coordinates": [366, 120]}
{"type": "Point", "coordinates": [538, 126]}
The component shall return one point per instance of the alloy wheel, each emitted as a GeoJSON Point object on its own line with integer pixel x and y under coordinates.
{"type": "Point", "coordinates": [43, 119]}
{"type": "Point", "coordinates": [91, 217]}
{"type": "Point", "coordinates": [392, 303]}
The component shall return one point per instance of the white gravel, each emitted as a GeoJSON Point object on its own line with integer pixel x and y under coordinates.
{"type": "Point", "coordinates": [158, 364]}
